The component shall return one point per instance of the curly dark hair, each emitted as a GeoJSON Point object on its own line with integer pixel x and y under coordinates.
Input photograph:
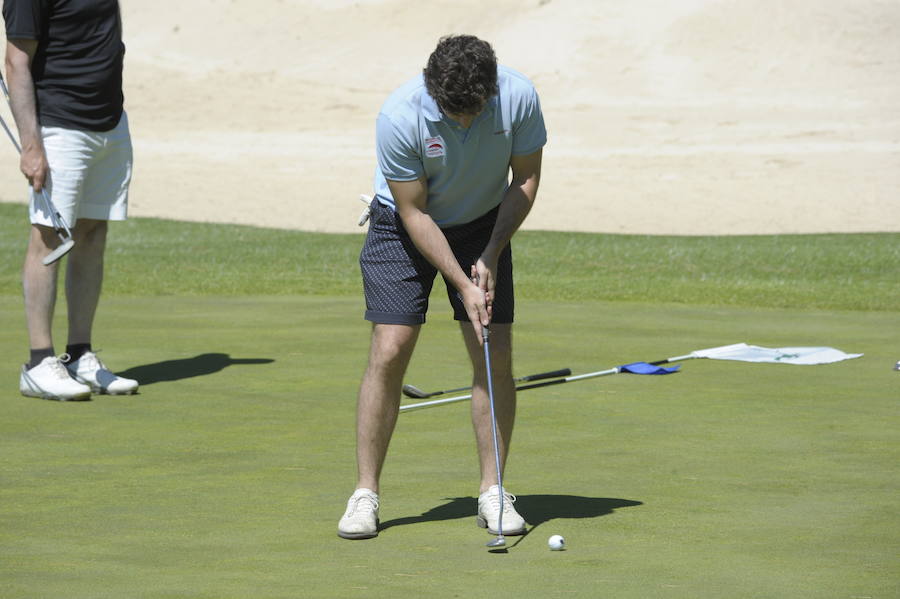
{"type": "Point", "coordinates": [461, 74]}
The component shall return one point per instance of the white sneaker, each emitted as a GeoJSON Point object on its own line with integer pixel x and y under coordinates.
{"type": "Point", "coordinates": [360, 521]}
{"type": "Point", "coordinates": [51, 380]}
{"type": "Point", "coordinates": [489, 513]}
{"type": "Point", "coordinates": [88, 369]}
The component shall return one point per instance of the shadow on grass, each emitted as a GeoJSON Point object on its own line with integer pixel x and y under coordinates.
{"type": "Point", "coordinates": [536, 509]}
{"type": "Point", "coordinates": [175, 370]}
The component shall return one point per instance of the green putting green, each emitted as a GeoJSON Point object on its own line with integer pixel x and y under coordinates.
{"type": "Point", "coordinates": [226, 475]}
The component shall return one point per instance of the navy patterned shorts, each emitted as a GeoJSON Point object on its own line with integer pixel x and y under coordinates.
{"type": "Point", "coordinates": [397, 279]}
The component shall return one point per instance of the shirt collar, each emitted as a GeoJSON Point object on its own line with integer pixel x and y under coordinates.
{"type": "Point", "coordinates": [431, 111]}
{"type": "Point", "coordinates": [430, 108]}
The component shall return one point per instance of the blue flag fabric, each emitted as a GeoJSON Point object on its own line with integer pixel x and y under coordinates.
{"type": "Point", "coordinates": [645, 368]}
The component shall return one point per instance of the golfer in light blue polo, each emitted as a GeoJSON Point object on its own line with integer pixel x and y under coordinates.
{"type": "Point", "coordinates": [459, 161]}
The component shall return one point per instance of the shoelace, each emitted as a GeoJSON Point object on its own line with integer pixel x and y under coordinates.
{"type": "Point", "coordinates": [58, 369]}
{"type": "Point", "coordinates": [356, 502]}
{"type": "Point", "coordinates": [90, 361]}
{"type": "Point", "coordinates": [508, 500]}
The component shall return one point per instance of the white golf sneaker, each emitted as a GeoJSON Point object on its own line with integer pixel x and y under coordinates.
{"type": "Point", "coordinates": [88, 369]}
{"type": "Point", "coordinates": [51, 380]}
{"type": "Point", "coordinates": [360, 521]}
{"type": "Point", "coordinates": [489, 513]}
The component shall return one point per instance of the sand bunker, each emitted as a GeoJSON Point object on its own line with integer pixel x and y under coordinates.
{"type": "Point", "coordinates": [694, 117]}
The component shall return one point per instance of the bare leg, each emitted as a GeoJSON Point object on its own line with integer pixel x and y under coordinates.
{"type": "Point", "coordinates": [379, 398]}
{"type": "Point", "coordinates": [84, 277]}
{"type": "Point", "coordinates": [504, 398]}
{"type": "Point", "coordinates": [39, 286]}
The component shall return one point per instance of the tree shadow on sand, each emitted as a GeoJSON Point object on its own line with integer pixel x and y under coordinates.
{"type": "Point", "coordinates": [536, 509]}
{"type": "Point", "coordinates": [185, 368]}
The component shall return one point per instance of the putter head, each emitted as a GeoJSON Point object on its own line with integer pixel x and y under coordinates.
{"type": "Point", "coordinates": [411, 391]}
{"type": "Point", "coordinates": [500, 541]}
{"type": "Point", "coordinates": [60, 251]}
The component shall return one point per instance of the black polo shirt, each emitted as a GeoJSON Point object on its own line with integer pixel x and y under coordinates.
{"type": "Point", "coordinates": [77, 68]}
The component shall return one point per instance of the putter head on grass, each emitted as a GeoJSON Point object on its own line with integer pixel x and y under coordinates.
{"type": "Point", "coordinates": [414, 392]}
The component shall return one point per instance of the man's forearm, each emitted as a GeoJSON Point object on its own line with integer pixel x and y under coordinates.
{"type": "Point", "coordinates": [432, 244]}
{"type": "Point", "coordinates": [21, 95]}
{"type": "Point", "coordinates": [515, 207]}
{"type": "Point", "coordinates": [517, 203]}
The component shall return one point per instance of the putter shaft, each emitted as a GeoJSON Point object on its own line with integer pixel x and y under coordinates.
{"type": "Point", "coordinates": [485, 335]}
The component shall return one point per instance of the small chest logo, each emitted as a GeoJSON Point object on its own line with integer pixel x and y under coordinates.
{"type": "Point", "coordinates": [434, 146]}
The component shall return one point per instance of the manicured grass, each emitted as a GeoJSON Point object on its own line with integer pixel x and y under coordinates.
{"type": "Point", "coordinates": [159, 257]}
{"type": "Point", "coordinates": [225, 476]}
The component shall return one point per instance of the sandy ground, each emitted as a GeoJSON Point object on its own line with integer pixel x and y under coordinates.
{"type": "Point", "coordinates": [685, 117]}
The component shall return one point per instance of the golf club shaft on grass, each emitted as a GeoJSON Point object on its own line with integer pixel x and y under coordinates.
{"type": "Point", "coordinates": [416, 393]}
{"type": "Point", "coordinates": [458, 398]}
{"type": "Point", "coordinates": [700, 353]}
{"type": "Point", "coordinates": [499, 541]}
{"type": "Point", "coordinates": [59, 225]}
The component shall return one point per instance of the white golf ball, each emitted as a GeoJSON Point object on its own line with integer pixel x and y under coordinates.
{"type": "Point", "coordinates": [556, 543]}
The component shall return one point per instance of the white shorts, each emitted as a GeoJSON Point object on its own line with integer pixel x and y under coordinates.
{"type": "Point", "coordinates": [89, 174]}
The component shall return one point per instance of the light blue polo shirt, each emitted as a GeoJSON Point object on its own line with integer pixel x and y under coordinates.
{"type": "Point", "coordinates": [467, 169]}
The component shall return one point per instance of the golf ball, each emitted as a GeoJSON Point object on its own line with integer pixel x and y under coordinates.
{"type": "Point", "coordinates": [556, 543]}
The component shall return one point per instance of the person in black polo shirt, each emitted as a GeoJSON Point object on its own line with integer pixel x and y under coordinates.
{"type": "Point", "coordinates": [64, 67]}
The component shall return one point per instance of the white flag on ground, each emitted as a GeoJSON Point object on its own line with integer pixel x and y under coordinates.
{"type": "Point", "coordinates": [776, 355]}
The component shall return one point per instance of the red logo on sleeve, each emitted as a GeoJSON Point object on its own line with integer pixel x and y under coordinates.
{"type": "Point", "coordinates": [434, 147]}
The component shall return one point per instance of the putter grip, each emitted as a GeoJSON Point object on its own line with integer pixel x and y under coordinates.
{"type": "Point", "coordinates": [547, 375]}
{"type": "Point", "coordinates": [544, 384]}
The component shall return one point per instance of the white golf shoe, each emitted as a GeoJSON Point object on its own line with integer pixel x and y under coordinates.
{"type": "Point", "coordinates": [360, 521]}
{"type": "Point", "coordinates": [489, 513]}
{"type": "Point", "coordinates": [51, 380]}
{"type": "Point", "coordinates": [88, 369]}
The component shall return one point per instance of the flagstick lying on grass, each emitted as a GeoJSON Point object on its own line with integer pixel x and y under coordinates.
{"type": "Point", "coordinates": [634, 368]}
{"type": "Point", "coordinates": [737, 351]}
